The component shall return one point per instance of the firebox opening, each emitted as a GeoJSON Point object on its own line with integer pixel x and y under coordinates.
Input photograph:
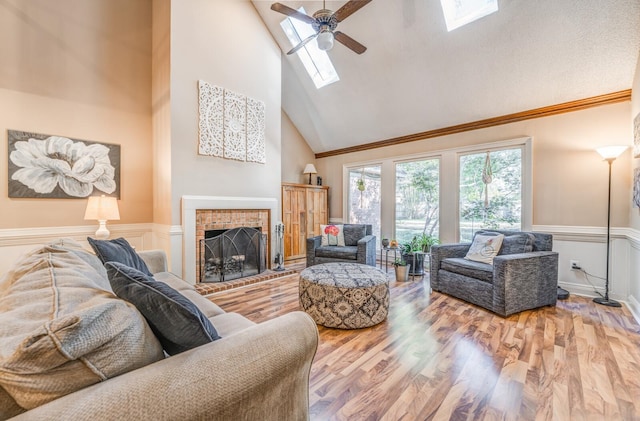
{"type": "Point", "coordinates": [232, 254]}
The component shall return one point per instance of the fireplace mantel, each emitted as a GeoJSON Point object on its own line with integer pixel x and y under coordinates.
{"type": "Point", "coordinates": [192, 203]}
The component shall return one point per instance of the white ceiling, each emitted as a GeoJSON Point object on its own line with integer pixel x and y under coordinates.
{"type": "Point", "coordinates": [415, 76]}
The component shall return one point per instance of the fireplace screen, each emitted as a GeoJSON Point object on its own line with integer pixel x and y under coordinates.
{"type": "Point", "coordinates": [232, 254]}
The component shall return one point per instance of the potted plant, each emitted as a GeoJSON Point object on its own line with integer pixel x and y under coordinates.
{"type": "Point", "coordinates": [419, 243]}
{"type": "Point", "coordinates": [402, 270]}
{"type": "Point", "coordinates": [426, 241]}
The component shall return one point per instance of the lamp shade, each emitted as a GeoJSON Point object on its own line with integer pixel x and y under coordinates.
{"type": "Point", "coordinates": [325, 40]}
{"type": "Point", "coordinates": [310, 169]}
{"type": "Point", "coordinates": [102, 208]}
{"type": "Point", "coordinates": [611, 152]}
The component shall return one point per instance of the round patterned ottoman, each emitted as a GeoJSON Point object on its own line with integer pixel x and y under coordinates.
{"type": "Point", "coordinates": [344, 295]}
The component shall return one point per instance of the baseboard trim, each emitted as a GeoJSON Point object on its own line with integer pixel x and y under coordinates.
{"type": "Point", "coordinates": [581, 289]}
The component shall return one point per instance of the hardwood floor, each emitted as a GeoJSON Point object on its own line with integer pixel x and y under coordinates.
{"type": "Point", "coordinates": [439, 358]}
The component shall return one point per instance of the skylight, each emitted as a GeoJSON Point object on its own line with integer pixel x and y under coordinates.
{"type": "Point", "coordinates": [458, 13]}
{"type": "Point", "coordinates": [315, 61]}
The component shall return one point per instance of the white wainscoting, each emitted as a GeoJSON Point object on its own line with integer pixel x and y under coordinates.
{"type": "Point", "coordinates": [16, 242]}
{"type": "Point", "coordinates": [584, 244]}
{"type": "Point", "coordinates": [587, 245]}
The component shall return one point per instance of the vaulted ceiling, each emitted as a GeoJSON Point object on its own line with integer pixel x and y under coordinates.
{"type": "Point", "coordinates": [415, 76]}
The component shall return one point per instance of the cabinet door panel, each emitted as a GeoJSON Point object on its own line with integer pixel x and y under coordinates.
{"type": "Point", "coordinates": [317, 211]}
{"type": "Point", "coordinates": [304, 209]}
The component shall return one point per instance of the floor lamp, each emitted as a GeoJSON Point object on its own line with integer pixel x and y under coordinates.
{"type": "Point", "coordinates": [609, 154]}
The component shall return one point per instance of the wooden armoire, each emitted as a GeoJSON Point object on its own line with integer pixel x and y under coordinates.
{"type": "Point", "coordinates": [304, 208]}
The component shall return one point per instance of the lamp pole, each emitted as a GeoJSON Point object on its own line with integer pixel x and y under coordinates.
{"type": "Point", "coordinates": [605, 300]}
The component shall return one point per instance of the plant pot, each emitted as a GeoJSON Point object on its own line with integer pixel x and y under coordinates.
{"type": "Point", "coordinates": [385, 242]}
{"type": "Point", "coordinates": [402, 273]}
{"type": "Point", "coordinates": [418, 268]}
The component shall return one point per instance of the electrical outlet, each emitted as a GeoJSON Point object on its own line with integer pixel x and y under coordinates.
{"type": "Point", "coordinates": [574, 264]}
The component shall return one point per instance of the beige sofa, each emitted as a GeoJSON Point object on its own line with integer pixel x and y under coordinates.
{"type": "Point", "coordinates": [255, 372]}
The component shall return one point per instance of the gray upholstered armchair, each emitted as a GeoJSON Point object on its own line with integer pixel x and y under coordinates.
{"type": "Point", "coordinates": [524, 274]}
{"type": "Point", "coordinates": [360, 247]}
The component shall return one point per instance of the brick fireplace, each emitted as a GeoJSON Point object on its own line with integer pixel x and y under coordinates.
{"type": "Point", "coordinates": [223, 219]}
{"type": "Point", "coordinates": [222, 212]}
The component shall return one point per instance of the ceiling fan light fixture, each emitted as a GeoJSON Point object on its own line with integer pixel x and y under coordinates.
{"type": "Point", "coordinates": [325, 40]}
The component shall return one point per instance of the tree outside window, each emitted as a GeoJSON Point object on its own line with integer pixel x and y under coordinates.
{"type": "Point", "coordinates": [490, 191]}
{"type": "Point", "coordinates": [417, 199]}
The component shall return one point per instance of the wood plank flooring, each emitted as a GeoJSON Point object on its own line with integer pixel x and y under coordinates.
{"type": "Point", "coordinates": [439, 358]}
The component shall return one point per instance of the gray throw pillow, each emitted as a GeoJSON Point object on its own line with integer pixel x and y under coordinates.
{"type": "Point", "coordinates": [177, 323]}
{"type": "Point", "coordinates": [353, 233]}
{"type": "Point", "coordinates": [514, 242]}
{"type": "Point", "coordinates": [118, 250]}
{"type": "Point", "coordinates": [517, 243]}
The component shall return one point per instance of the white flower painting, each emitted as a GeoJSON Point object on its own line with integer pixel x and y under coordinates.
{"type": "Point", "coordinates": [43, 166]}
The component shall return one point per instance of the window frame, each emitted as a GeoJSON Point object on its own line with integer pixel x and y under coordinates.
{"type": "Point", "coordinates": [449, 218]}
{"type": "Point", "coordinates": [526, 219]}
{"type": "Point", "coordinates": [396, 162]}
{"type": "Point", "coordinates": [346, 169]}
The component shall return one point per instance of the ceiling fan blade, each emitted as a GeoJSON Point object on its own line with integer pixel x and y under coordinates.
{"type": "Point", "coordinates": [286, 10]}
{"type": "Point", "coordinates": [302, 44]}
{"type": "Point", "coordinates": [350, 8]}
{"type": "Point", "coordinates": [349, 42]}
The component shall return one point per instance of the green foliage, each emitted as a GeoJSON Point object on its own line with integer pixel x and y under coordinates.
{"type": "Point", "coordinates": [504, 192]}
{"type": "Point", "coordinates": [422, 242]}
{"type": "Point", "coordinates": [417, 198]}
{"type": "Point", "coordinates": [399, 262]}
{"type": "Point", "coordinates": [499, 211]}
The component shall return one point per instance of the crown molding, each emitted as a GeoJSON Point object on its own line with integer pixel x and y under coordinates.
{"type": "Point", "coordinates": [565, 107]}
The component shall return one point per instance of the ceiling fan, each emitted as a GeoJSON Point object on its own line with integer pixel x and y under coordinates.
{"type": "Point", "coordinates": [325, 22]}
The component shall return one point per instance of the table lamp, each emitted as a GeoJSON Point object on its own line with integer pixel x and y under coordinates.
{"type": "Point", "coordinates": [101, 209]}
{"type": "Point", "coordinates": [310, 169]}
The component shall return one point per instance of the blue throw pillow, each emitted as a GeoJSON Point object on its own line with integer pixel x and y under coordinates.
{"type": "Point", "coordinates": [177, 323]}
{"type": "Point", "coordinates": [118, 250]}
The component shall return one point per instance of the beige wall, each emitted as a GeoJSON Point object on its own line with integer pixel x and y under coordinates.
{"type": "Point", "coordinates": [569, 177]}
{"type": "Point", "coordinates": [296, 153]}
{"type": "Point", "coordinates": [78, 69]}
{"type": "Point", "coordinates": [161, 110]}
{"type": "Point", "coordinates": [225, 43]}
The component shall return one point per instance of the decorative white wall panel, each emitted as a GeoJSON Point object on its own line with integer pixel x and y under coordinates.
{"type": "Point", "coordinates": [235, 126]}
{"type": "Point", "coordinates": [231, 125]}
{"type": "Point", "coordinates": [211, 122]}
{"type": "Point", "coordinates": [255, 131]}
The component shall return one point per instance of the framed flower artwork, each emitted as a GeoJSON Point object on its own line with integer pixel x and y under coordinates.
{"type": "Point", "coordinates": [57, 167]}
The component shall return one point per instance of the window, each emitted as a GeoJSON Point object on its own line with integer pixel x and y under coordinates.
{"type": "Point", "coordinates": [315, 61]}
{"type": "Point", "coordinates": [458, 13]}
{"type": "Point", "coordinates": [441, 192]}
{"type": "Point", "coordinates": [417, 199]}
{"type": "Point", "coordinates": [490, 191]}
{"type": "Point", "coordinates": [364, 195]}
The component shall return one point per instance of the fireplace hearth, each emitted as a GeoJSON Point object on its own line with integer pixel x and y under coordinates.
{"type": "Point", "coordinates": [232, 254]}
